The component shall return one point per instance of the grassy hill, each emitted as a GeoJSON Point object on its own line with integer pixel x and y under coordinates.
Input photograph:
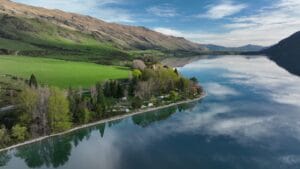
{"type": "Point", "coordinates": [33, 31]}
{"type": "Point", "coordinates": [34, 37]}
{"type": "Point", "coordinates": [39, 33]}
{"type": "Point", "coordinates": [60, 73]}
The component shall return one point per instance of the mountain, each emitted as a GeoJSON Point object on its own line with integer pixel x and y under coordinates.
{"type": "Point", "coordinates": [246, 48]}
{"type": "Point", "coordinates": [29, 30]}
{"type": "Point", "coordinates": [287, 53]}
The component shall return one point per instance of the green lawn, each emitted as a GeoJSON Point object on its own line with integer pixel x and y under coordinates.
{"type": "Point", "coordinates": [60, 73]}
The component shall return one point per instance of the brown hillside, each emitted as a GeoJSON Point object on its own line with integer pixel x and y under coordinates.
{"type": "Point", "coordinates": [123, 36]}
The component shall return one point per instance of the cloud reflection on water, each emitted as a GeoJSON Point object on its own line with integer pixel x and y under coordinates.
{"type": "Point", "coordinates": [250, 116]}
{"type": "Point", "coordinates": [219, 90]}
{"type": "Point", "coordinates": [257, 72]}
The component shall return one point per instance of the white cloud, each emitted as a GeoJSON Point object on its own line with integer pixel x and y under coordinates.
{"type": "Point", "coordinates": [163, 10]}
{"type": "Point", "coordinates": [224, 9]}
{"type": "Point", "coordinates": [168, 31]}
{"type": "Point", "coordinates": [203, 37]}
{"type": "Point", "coordinates": [266, 27]}
{"type": "Point", "coordinates": [103, 9]}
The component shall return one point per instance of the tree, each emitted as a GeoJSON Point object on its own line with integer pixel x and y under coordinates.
{"type": "Point", "coordinates": [86, 116]}
{"type": "Point", "coordinates": [76, 104]}
{"type": "Point", "coordinates": [101, 106]}
{"type": "Point", "coordinates": [39, 125]}
{"type": "Point", "coordinates": [138, 64]}
{"type": "Point", "coordinates": [4, 137]}
{"type": "Point", "coordinates": [19, 133]}
{"type": "Point", "coordinates": [58, 111]}
{"type": "Point", "coordinates": [32, 81]}
{"type": "Point", "coordinates": [174, 96]}
{"type": "Point", "coordinates": [144, 89]}
{"type": "Point", "coordinates": [120, 91]}
{"type": "Point", "coordinates": [136, 103]}
{"type": "Point", "coordinates": [136, 74]}
{"type": "Point", "coordinates": [33, 110]}
{"type": "Point", "coordinates": [194, 79]}
{"type": "Point", "coordinates": [107, 89]}
{"type": "Point", "coordinates": [183, 84]}
{"type": "Point", "coordinates": [114, 89]}
{"type": "Point", "coordinates": [132, 86]}
{"type": "Point", "coordinates": [28, 99]}
{"type": "Point", "coordinates": [167, 79]}
{"type": "Point", "coordinates": [147, 74]}
{"type": "Point", "coordinates": [176, 72]}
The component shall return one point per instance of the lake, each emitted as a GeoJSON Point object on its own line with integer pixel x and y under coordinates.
{"type": "Point", "coordinates": [249, 120]}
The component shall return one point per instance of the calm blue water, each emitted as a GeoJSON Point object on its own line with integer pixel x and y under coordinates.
{"type": "Point", "coordinates": [249, 120]}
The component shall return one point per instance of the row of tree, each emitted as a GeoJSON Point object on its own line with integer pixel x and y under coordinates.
{"type": "Point", "coordinates": [41, 111]}
{"type": "Point", "coordinates": [44, 110]}
{"type": "Point", "coordinates": [161, 80]}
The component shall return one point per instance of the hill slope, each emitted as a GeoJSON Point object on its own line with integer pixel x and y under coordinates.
{"type": "Point", "coordinates": [246, 48]}
{"type": "Point", "coordinates": [287, 53]}
{"type": "Point", "coordinates": [73, 34]}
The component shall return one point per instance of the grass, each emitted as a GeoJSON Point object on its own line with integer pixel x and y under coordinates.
{"type": "Point", "coordinates": [32, 37]}
{"type": "Point", "coordinates": [60, 73]}
{"type": "Point", "coordinates": [16, 45]}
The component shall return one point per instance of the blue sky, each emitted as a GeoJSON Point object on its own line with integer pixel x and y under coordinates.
{"type": "Point", "coordinates": [222, 22]}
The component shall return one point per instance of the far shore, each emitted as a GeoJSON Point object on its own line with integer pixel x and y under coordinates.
{"type": "Point", "coordinates": [103, 121]}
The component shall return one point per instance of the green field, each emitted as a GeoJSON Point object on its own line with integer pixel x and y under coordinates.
{"type": "Point", "coordinates": [60, 73]}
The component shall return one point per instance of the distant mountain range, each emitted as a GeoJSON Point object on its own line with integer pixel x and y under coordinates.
{"type": "Point", "coordinates": [246, 48]}
{"type": "Point", "coordinates": [287, 53]}
{"type": "Point", "coordinates": [32, 30]}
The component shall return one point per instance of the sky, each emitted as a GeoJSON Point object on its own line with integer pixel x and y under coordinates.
{"type": "Point", "coordinates": [221, 22]}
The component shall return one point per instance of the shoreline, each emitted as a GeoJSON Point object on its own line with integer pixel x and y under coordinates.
{"type": "Point", "coordinates": [118, 117]}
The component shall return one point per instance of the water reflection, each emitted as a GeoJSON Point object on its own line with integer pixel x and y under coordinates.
{"type": "Point", "coordinates": [55, 152]}
{"type": "Point", "coordinates": [146, 119]}
{"type": "Point", "coordinates": [242, 123]}
{"type": "Point", "coordinates": [49, 153]}
{"type": "Point", "coordinates": [4, 158]}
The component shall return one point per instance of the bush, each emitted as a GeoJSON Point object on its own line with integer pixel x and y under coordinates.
{"type": "Point", "coordinates": [4, 137]}
{"type": "Point", "coordinates": [194, 79]}
{"type": "Point", "coordinates": [33, 82]}
{"type": "Point", "coordinates": [136, 103]}
{"type": "Point", "coordinates": [174, 96]}
{"type": "Point", "coordinates": [19, 133]}
{"type": "Point", "coordinates": [147, 74]}
{"type": "Point", "coordinates": [136, 74]}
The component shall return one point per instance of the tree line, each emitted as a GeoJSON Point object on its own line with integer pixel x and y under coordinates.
{"type": "Point", "coordinates": [43, 110]}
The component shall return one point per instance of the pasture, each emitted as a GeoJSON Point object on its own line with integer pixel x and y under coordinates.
{"type": "Point", "coordinates": [60, 73]}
